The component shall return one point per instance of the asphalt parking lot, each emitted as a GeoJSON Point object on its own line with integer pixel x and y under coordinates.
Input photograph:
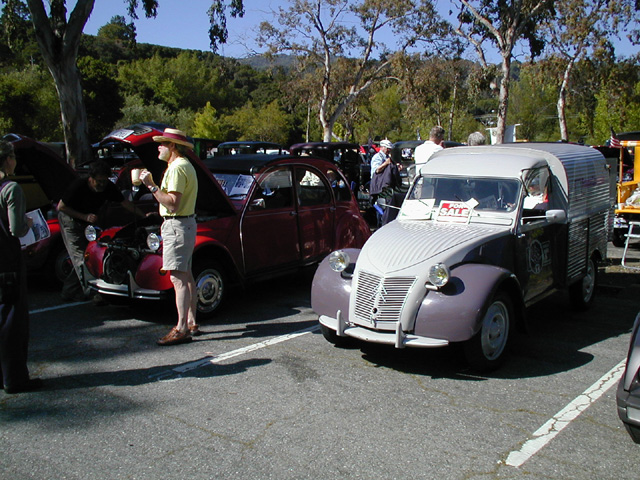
{"type": "Point", "coordinates": [262, 395]}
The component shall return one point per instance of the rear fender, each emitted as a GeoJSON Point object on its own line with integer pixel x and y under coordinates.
{"type": "Point", "coordinates": [454, 313]}
{"type": "Point", "coordinates": [330, 291]}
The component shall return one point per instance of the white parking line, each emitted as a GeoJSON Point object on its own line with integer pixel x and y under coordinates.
{"type": "Point", "coordinates": [58, 307]}
{"type": "Point", "coordinates": [562, 419]}
{"type": "Point", "coordinates": [234, 353]}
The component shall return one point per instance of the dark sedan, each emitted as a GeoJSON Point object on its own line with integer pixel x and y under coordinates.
{"type": "Point", "coordinates": [628, 395]}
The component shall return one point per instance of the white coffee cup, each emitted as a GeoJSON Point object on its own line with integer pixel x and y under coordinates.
{"type": "Point", "coordinates": [135, 177]}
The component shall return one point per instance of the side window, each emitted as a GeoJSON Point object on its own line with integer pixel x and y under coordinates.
{"type": "Point", "coordinates": [537, 190]}
{"type": "Point", "coordinates": [339, 186]}
{"type": "Point", "coordinates": [311, 189]}
{"type": "Point", "coordinates": [275, 190]}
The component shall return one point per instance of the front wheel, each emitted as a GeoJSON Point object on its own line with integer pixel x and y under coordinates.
{"type": "Point", "coordinates": [583, 292]}
{"type": "Point", "coordinates": [486, 350]}
{"type": "Point", "coordinates": [211, 287]}
{"type": "Point", "coordinates": [619, 237]}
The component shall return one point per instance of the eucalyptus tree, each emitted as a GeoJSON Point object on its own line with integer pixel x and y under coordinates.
{"type": "Point", "coordinates": [581, 28]}
{"type": "Point", "coordinates": [59, 37]}
{"type": "Point", "coordinates": [319, 32]}
{"type": "Point", "coordinates": [504, 24]}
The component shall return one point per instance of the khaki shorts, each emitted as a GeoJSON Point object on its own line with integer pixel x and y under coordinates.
{"type": "Point", "coordinates": [178, 242]}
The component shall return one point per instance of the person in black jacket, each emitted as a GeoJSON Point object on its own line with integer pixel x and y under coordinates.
{"type": "Point", "coordinates": [80, 206]}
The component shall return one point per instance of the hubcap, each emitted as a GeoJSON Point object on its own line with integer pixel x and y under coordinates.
{"type": "Point", "coordinates": [210, 289]}
{"type": "Point", "coordinates": [495, 330]}
{"type": "Point", "coordinates": [588, 282]}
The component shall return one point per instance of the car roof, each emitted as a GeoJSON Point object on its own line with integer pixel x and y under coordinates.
{"type": "Point", "coordinates": [323, 146]}
{"type": "Point", "coordinates": [562, 159]}
{"type": "Point", "coordinates": [242, 163]}
{"type": "Point", "coordinates": [253, 163]}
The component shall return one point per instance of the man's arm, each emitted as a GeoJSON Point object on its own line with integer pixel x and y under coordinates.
{"type": "Point", "coordinates": [130, 206]}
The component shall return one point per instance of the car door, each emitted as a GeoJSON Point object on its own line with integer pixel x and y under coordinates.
{"type": "Point", "coordinates": [269, 228]}
{"type": "Point", "coordinates": [537, 241]}
{"type": "Point", "coordinates": [316, 212]}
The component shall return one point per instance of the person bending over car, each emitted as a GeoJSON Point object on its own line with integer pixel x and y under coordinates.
{"type": "Point", "coordinates": [79, 207]}
{"type": "Point", "coordinates": [177, 198]}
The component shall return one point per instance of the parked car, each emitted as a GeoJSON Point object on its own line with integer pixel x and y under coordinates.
{"type": "Point", "coordinates": [43, 175]}
{"type": "Point", "coordinates": [475, 242]}
{"type": "Point", "coordinates": [349, 160]}
{"type": "Point", "coordinates": [235, 148]}
{"type": "Point", "coordinates": [628, 394]}
{"type": "Point", "coordinates": [258, 217]}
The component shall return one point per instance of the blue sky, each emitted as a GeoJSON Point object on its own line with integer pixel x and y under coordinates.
{"type": "Point", "coordinates": [185, 24]}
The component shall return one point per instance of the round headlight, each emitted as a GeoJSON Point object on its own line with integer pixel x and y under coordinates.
{"type": "Point", "coordinates": [90, 233]}
{"type": "Point", "coordinates": [339, 260]}
{"type": "Point", "coordinates": [153, 241]}
{"type": "Point", "coordinates": [439, 274]}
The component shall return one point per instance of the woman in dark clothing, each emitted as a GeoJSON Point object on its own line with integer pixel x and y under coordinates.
{"type": "Point", "coordinates": [14, 311]}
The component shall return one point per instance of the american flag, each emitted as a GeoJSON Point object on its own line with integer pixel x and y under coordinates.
{"type": "Point", "coordinates": [613, 141]}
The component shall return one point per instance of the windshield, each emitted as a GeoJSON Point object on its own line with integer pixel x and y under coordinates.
{"type": "Point", "coordinates": [236, 185]}
{"type": "Point", "coordinates": [468, 196]}
{"type": "Point", "coordinates": [481, 193]}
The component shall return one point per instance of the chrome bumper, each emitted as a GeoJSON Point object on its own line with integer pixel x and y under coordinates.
{"type": "Point", "coordinates": [130, 290]}
{"type": "Point", "coordinates": [399, 339]}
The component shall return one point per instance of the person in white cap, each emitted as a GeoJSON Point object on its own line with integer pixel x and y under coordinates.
{"type": "Point", "coordinates": [381, 159]}
{"type": "Point", "coordinates": [177, 198]}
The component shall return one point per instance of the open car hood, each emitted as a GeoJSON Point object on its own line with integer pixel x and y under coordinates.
{"type": "Point", "coordinates": [211, 198]}
{"type": "Point", "coordinates": [36, 162]}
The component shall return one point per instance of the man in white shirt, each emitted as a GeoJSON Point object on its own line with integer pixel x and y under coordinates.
{"type": "Point", "coordinates": [424, 151]}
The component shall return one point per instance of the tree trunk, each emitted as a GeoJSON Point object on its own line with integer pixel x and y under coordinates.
{"type": "Point", "coordinates": [73, 112]}
{"type": "Point", "coordinates": [58, 42]}
{"type": "Point", "coordinates": [504, 98]}
{"type": "Point", "coordinates": [562, 102]}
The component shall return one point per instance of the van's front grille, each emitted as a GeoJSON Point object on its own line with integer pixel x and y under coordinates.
{"type": "Point", "coordinates": [381, 299]}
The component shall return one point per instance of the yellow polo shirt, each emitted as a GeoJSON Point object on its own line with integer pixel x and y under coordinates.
{"type": "Point", "coordinates": [180, 177]}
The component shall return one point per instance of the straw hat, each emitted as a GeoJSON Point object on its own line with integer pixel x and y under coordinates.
{"type": "Point", "coordinates": [175, 136]}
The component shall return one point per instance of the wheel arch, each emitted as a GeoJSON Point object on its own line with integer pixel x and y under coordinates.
{"type": "Point", "coordinates": [222, 256]}
{"type": "Point", "coordinates": [456, 311]}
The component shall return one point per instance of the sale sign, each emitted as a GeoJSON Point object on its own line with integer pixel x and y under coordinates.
{"type": "Point", "coordinates": [454, 212]}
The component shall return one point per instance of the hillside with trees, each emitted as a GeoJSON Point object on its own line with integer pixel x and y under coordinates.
{"type": "Point", "coordinates": [343, 84]}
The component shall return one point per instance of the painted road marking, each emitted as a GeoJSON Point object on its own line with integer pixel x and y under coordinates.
{"type": "Point", "coordinates": [58, 307]}
{"type": "Point", "coordinates": [210, 360]}
{"type": "Point", "coordinates": [562, 419]}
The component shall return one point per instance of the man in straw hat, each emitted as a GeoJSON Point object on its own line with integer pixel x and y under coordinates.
{"type": "Point", "coordinates": [177, 198]}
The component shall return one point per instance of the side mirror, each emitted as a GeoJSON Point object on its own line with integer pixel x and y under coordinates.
{"type": "Point", "coordinates": [556, 216]}
{"type": "Point", "coordinates": [256, 204]}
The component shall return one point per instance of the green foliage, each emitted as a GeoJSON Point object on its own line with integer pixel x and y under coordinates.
{"type": "Point", "coordinates": [269, 123]}
{"type": "Point", "coordinates": [181, 82]}
{"type": "Point", "coordinates": [618, 104]}
{"type": "Point", "coordinates": [102, 96]}
{"type": "Point", "coordinates": [207, 124]}
{"type": "Point", "coordinates": [533, 105]}
{"type": "Point", "coordinates": [135, 110]}
{"type": "Point", "coordinates": [29, 104]}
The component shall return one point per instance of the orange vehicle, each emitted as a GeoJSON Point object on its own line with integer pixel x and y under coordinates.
{"type": "Point", "coordinates": [627, 208]}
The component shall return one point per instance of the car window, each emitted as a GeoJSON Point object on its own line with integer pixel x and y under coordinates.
{"type": "Point", "coordinates": [339, 186]}
{"type": "Point", "coordinates": [275, 189]}
{"type": "Point", "coordinates": [488, 193]}
{"type": "Point", "coordinates": [310, 188]}
{"type": "Point", "coordinates": [536, 191]}
{"type": "Point", "coordinates": [236, 185]}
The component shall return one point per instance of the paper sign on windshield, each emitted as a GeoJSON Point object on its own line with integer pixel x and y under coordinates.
{"type": "Point", "coordinates": [454, 212]}
{"type": "Point", "coordinates": [417, 209]}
